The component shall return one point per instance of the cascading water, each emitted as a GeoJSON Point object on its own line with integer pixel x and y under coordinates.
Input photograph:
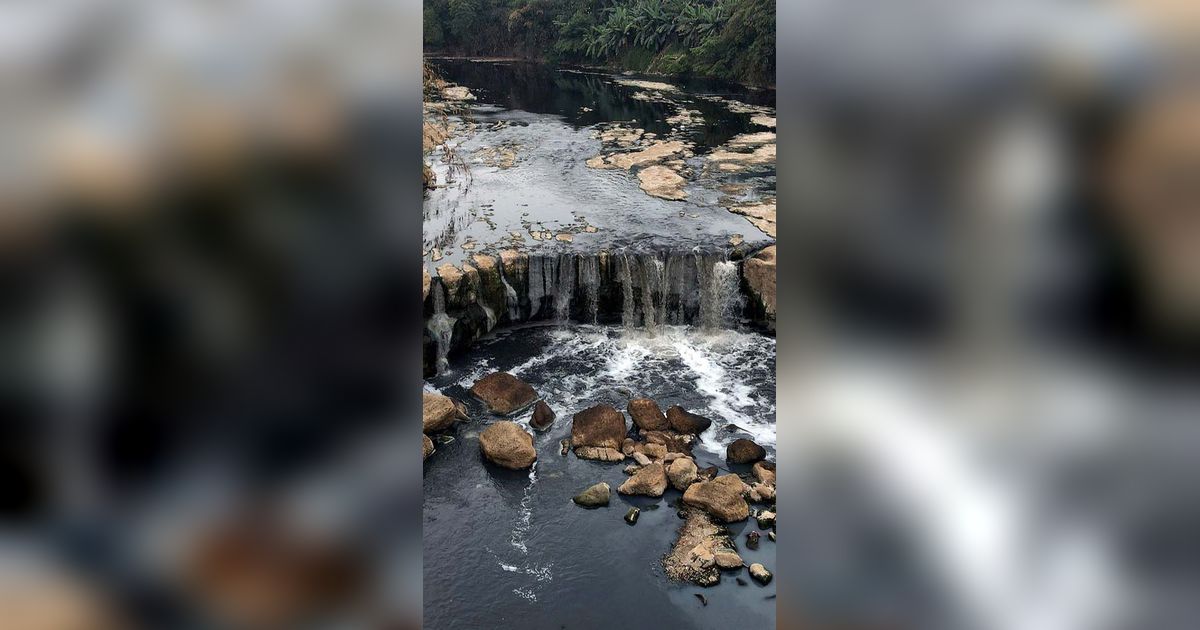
{"type": "Point", "coordinates": [511, 302]}
{"type": "Point", "coordinates": [441, 326]}
{"type": "Point", "coordinates": [721, 299]}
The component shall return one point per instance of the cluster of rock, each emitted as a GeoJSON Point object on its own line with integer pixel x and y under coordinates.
{"type": "Point", "coordinates": [660, 445]}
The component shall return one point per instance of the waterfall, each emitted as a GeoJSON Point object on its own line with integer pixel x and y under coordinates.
{"type": "Point", "coordinates": [512, 302]}
{"type": "Point", "coordinates": [651, 280]}
{"type": "Point", "coordinates": [589, 279]}
{"type": "Point", "coordinates": [627, 308]}
{"type": "Point", "coordinates": [720, 294]}
{"type": "Point", "coordinates": [564, 287]}
{"type": "Point", "coordinates": [441, 325]}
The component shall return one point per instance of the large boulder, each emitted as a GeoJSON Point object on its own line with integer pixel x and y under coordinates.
{"type": "Point", "coordinates": [759, 272]}
{"type": "Point", "coordinates": [684, 421]}
{"type": "Point", "coordinates": [674, 442]}
{"type": "Point", "coordinates": [743, 451]}
{"type": "Point", "coordinates": [721, 498]}
{"type": "Point", "coordinates": [682, 473]}
{"type": "Point", "coordinates": [760, 573]}
{"type": "Point", "coordinates": [595, 496]}
{"type": "Point", "coordinates": [503, 393]}
{"type": "Point", "coordinates": [598, 433]}
{"type": "Point", "coordinates": [543, 416]}
{"type": "Point", "coordinates": [647, 415]}
{"type": "Point", "coordinates": [438, 412]}
{"type": "Point", "coordinates": [506, 444]}
{"type": "Point", "coordinates": [426, 447]}
{"type": "Point", "coordinates": [650, 481]}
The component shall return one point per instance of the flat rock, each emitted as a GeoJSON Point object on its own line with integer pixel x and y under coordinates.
{"type": "Point", "coordinates": [503, 393]}
{"type": "Point", "coordinates": [650, 481]}
{"type": "Point", "coordinates": [721, 498]}
{"type": "Point", "coordinates": [506, 444]}
{"type": "Point", "coordinates": [600, 426]}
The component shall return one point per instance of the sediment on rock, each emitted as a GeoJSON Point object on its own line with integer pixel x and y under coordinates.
{"type": "Point", "coordinates": [693, 557]}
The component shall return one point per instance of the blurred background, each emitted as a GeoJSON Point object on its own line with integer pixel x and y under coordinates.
{"type": "Point", "coordinates": [988, 314]}
{"type": "Point", "coordinates": [988, 331]}
{"type": "Point", "coordinates": [209, 235]}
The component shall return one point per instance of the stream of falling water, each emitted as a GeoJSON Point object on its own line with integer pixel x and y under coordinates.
{"type": "Point", "coordinates": [441, 325]}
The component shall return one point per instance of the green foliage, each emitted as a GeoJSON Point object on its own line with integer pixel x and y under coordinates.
{"type": "Point", "coordinates": [731, 39]}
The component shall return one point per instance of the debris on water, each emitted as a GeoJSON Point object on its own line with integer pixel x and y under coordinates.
{"type": "Point", "coordinates": [703, 600]}
{"type": "Point", "coordinates": [631, 516]}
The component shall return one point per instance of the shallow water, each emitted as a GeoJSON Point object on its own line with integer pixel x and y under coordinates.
{"type": "Point", "coordinates": [509, 546]}
{"type": "Point", "coordinates": [547, 117]}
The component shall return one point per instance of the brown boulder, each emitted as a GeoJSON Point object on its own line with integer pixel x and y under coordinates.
{"type": "Point", "coordinates": [721, 498]}
{"type": "Point", "coordinates": [682, 473]}
{"type": "Point", "coordinates": [650, 481]}
{"type": "Point", "coordinates": [674, 442]}
{"type": "Point", "coordinates": [684, 421]}
{"type": "Point", "coordinates": [759, 271]}
{"type": "Point", "coordinates": [438, 412]}
{"type": "Point", "coordinates": [765, 473]}
{"type": "Point", "coordinates": [647, 415]}
{"type": "Point", "coordinates": [506, 444]}
{"type": "Point", "coordinates": [543, 416]}
{"type": "Point", "coordinates": [599, 453]}
{"type": "Point", "coordinates": [598, 426]}
{"type": "Point", "coordinates": [743, 451]}
{"type": "Point", "coordinates": [503, 393]}
{"type": "Point", "coordinates": [426, 447]}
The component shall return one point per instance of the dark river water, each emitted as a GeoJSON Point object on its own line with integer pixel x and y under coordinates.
{"type": "Point", "coordinates": [510, 549]}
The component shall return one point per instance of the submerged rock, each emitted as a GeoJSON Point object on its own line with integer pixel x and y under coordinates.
{"type": "Point", "coordinates": [647, 415]}
{"type": "Point", "coordinates": [506, 444]}
{"type": "Point", "coordinates": [743, 451]}
{"type": "Point", "coordinates": [631, 516]}
{"type": "Point", "coordinates": [760, 573]}
{"type": "Point", "coordinates": [694, 555]}
{"type": "Point", "coordinates": [662, 182]}
{"type": "Point", "coordinates": [438, 412]}
{"type": "Point", "coordinates": [595, 496]}
{"type": "Point", "coordinates": [543, 416]}
{"type": "Point", "coordinates": [721, 498]}
{"type": "Point", "coordinates": [682, 473]}
{"type": "Point", "coordinates": [598, 433]}
{"type": "Point", "coordinates": [426, 447]}
{"type": "Point", "coordinates": [685, 421]}
{"type": "Point", "coordinates": [650, 481]}
{"type": "Point", "coordinates": [503, 393]}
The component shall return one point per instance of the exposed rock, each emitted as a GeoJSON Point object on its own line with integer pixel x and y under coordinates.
{"type": "Point", "coordinates": [632, 469]}
{"type": "Point", "coordinates": [457, 93]}
{"type": "Point", "coordinates": [543, 416]}
{"type": "Point", "coordinates": [647, 415]}
{"type": "Point", "coordinates": [631, 516]}
{"type": "Point", "coordinates": [684, 421]}
{"type": "Point", "coordinates": [759, 272]}
{"type": "Point", "coordinates": [426, 280]}
{"type": "Point", "coordinates": [674, 442]}
{"type": "Point", "coordinates": [760, 573]}
{"type": "Point", "coordinates": [721, 498]}
{"type": "Point", "coordinates": [694, 555]}
{"type": "Point", "coordinates": [564, 446]}
{"type": "Point", "coordinates": [761, 215]}
{"type": "Point", "coordinates": [594, 496]}
{"type": "Point", "coordinates": [743, 451]}
{"type": "Point", "coordinates": [600, 426]}
{"type": "Point", "coordinates": [766, 519]}
{"type": "Point", "coordinates": [641, 458]}
{"type": "Point", "coordinates": [765, 121]}
{"type": "Point", "coordinates": [662, 182]}
{"type": "Point", "coordinates": [599, 453]}
{"type": "Point", "coordinates": [761, 492]}
{"type": "Point", "coordinates": [438, 412]}
{"type": "Point", "coordinates": [656, 152]}
{"type": "Point", "coordinates": [426, 447]}
{"type": "Point", "coordinates": [629, 446]}
{"type": "Point", "coordinates": [650, 481]}
{"type": "Point", "coordinates": [506, 444]}
{"type": "Point", "coordinates": [752, 539]}
{"type": "Point", "coordinates": [655, 451]}
{"type": "Point", "coordinates": [765, 473]}
{"type": "Point", "coordinates": [771, 535]}
{"type": "Point", "coordinates": [728, 559]}
{"type": "Point", "coordinates": [503, 393]}
{"type": "Point", "coordinates": [682, 473]}
{"type": "Point", "coordinates": [707, 474]}
{"type": "Point", "coordinates": [648, 85]}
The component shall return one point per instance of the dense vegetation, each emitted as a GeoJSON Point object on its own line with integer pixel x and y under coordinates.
{"type": "Point", "coordinates": [728, 39]}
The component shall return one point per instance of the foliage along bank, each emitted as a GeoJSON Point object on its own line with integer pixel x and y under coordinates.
{"type": "Point", "coordinates": [725, 39]}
